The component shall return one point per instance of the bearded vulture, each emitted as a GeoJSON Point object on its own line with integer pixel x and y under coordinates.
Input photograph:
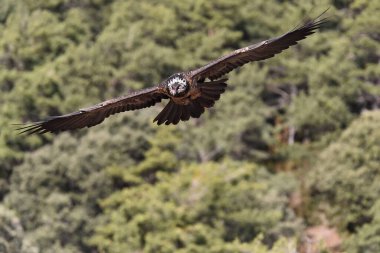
{"type": "Point", "coordinates": [189, 92]}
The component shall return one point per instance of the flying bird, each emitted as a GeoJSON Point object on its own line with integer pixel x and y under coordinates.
{"type": "Point", "coordinates": [189, 92]}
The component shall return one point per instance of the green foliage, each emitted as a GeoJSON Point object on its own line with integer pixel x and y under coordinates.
{"type": "Point", "coordinates": [209, 207]}
{"type": "Point", "coordinates": [56, 197]}
{"type": "Point", "coordinates": [212, 182]}
{"type": "Point", "coordinates": [347, 174]}
{"type": "Point", "coordinates": [367, 238]}
{"type": "Point", "coordinates": [12, 238]}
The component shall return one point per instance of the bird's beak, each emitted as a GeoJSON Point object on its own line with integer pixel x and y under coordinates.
{"type": "Point", "coordinates": [176, 87]}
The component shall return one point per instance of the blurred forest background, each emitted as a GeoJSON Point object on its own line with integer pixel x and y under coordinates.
{"type": "Point", "coordinates": [290, 154]}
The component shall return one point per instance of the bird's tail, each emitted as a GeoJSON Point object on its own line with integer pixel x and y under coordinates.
{"type": "Point", "coordinates": [210, 92]}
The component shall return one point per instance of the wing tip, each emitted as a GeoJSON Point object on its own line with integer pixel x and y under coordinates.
{"type": "Point", "coordinates": [318, 21]}
{"type": "Point", "coordinates": [32, 128]}
{"type": "Point", "coordinates": [311, 24]}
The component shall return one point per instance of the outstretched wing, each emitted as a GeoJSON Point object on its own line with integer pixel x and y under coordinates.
{"type": "Point", "coordinates": [256, 52]}
{"type": "Point", "coordinates": [94, 115]}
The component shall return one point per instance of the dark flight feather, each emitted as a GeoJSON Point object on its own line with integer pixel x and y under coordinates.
{"type": "Point", "coordinates": [257, 52]}
{"type": "Point", "coordinates": [185, 113]}
{"type": "Point", "coordinates": [96, 114]}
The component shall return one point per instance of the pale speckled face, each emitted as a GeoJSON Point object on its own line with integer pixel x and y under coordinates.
{"type": "Point", "coordinates": [177, 86]}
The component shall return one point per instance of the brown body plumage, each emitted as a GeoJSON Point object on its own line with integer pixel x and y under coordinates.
{"type": "Point", "coordinates": [188, 92]}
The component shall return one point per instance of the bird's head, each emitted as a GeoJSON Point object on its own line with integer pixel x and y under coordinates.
{"type": "Point", "coordinates": [177, 85]}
